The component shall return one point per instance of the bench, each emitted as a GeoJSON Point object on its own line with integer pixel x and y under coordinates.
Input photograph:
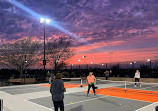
{"type": "Point", "coordinates": [15, 80]}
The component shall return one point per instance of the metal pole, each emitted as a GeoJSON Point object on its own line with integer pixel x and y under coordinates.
{"type": "Point", "coordinates": [1, 104]}
{"type": "Point", "coordinates": [71, 67]}
{"type": "Point", "coordinates": [106, 66]}
{"type": "Point", "coordinates": [79, 70]}
{"type": "Point", "coordinates": [44, 61]}
{"type": "Point", "coordinates": [81, 83]}
{"type": "Point", "coordinates": [118, 65]}
{"type": "Point", "coordinates": [125, 87]}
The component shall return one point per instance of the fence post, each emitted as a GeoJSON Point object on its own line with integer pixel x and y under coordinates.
{"type": "Point", "coordinates": [156, 108]}
{"type": "Point", "coordinates": [1, 104]}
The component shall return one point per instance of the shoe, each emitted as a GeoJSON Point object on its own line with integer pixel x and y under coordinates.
{"type": "Point", "coordinates": [94, 94]}
{"type": "Point", "coordinates": [87, 95]}
{"type": "Point", "coordinates": [140, 85]}
{"type": "Point", "coordinates": [135, 86]}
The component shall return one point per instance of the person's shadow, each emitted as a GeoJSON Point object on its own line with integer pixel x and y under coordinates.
{"type": "Point", "coordinates": [78, 108]}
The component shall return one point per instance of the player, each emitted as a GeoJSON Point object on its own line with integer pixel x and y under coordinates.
{"type": "Point", "coordinates": [106, 75]}
{"type": "Point", "coordinates": [137, 77]}
{"type": "Point", "coordinates": [57, 90]}
{"type": "Point", "coordinates": [51, 78]}
{"type": "Point", "coordinates": [91, 80]}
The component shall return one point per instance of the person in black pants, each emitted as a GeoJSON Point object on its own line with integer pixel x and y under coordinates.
{"type": "Point", "coordinates": [91, 81]}
{"type": "Point", "coordinates": [137, 78]}
{"type": "Point", "coordinates": [57, 90]}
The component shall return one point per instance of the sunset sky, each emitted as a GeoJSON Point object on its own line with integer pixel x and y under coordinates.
{"type": "Point", "coordinates": [107, 30]}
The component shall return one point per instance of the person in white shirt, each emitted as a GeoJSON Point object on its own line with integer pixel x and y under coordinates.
{"type": "Point", "coordinates": [137, 77]}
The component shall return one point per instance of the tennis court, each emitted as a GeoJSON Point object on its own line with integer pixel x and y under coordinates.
{"type": "Point", "coordinates": [111, 96]}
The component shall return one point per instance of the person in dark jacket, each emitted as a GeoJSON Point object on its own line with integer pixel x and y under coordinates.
{"type": "Point", "coordinates": [106, 75]}
{"type": "Point", "coordinates": [57, 90]}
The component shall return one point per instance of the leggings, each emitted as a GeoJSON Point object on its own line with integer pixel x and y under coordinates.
{"type": "Point", "coordinates": [89, 86]}
{"type": "Point", "coordinates": [137, 80]}
{"type": "Point", "coordinates": [58, 104]}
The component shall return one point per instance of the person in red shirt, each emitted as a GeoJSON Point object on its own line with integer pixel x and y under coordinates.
{"type": "Point", "coordinates": [91, 80]}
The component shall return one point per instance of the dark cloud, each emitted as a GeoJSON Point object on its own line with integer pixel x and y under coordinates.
{"type": "Point", "coordinates": [107, 19]}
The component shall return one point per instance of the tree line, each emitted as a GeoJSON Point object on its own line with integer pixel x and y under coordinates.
{"type": "Point", "coordinates": [27, 52]}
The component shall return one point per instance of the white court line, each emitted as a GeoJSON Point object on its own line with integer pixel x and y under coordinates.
{"type": "Point", "coordinates": [149, 87]}
{"type": "Point", "coordinates": [87, 101]}
{"type": "Point", "coordinates": [103, 97]}
{"type": "Point", "coordinates": [84, 101]}
{"type": "Point", "coordinates": [39, 105]}
{"type": "Point", "coordinates": [19, 89]}
{"type": "Point", "coordinates": [146, 106]}
{"type": "Point", "coordinates": [130, 99]}
{"type": "Point", "coordinates": [25, 85]}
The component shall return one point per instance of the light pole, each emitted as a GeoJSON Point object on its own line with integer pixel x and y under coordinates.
{"type": "Point", "coordinates": [25, 69]}
{"type": "Point", "coordinates": [91, 65]}
{"type": "Point", "coordinates": [132, 63]}
{"type": "Point", "coordinates": [71, 69]}
{"type": "Point", "coordinates": [79, 67]}
{"type": "Point", "coordinates": [102, 65]}
{"type": "Point", "coordinates": [84, 60]}
{"type": "Point", "coordinates": [106, 66]}
{"type": "Point", "coordinates": [149, 62]}
{"type": "Point", "coordinates": [44, 21]}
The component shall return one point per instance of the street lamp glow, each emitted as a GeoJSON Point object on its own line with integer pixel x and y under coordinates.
{"type": "Point", "coordinates": [135, 62]}
{"type": "Point", "coordinates": [148, 60]}
{"type": "Point", "coordinates": [48, 21]}
{"type": "Point", "coordinates": [131, 63]}
{"type": "Point", "coordinates": [79, 60]}
{"type": "Point", "coordinates": [91, 62]}
{"type": "Point", "coordinates": [42, 20]}
{"type": "Point", "coordinates": [102, 64]}
{"type": "Point", "coordinates": [84, 56]}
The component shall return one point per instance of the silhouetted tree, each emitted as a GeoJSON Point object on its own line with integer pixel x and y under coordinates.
{"type": "Point", "coordinates": [19, 54]}
{"type": "Point", "coordinates": [58, 51]}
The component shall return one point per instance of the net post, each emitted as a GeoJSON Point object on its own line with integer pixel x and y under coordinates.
{"type": "Point", "coordinates": [81, 83]}
{"type": "Point", "coordinates": [125, 87]}
{"type": "Point", "coordinates": [1, 104]}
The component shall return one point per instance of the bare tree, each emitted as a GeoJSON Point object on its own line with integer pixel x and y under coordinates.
{"type": "Point", "coordinates": [58, 51]}
{"type": "Point", "coordinates": [19, 54]}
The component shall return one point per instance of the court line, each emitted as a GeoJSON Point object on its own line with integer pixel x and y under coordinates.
{"type": "Point", "coordinates": [25, 85]}
{"type": "Point", "coordinates": [39, 105]}
{"type": "Point", "coordinates": [146, 106]}
{"type": "Point", "coordinates": [20, 89]}
{"type": "Point", "coordinates": [84, 101]}
{"type": "Point", "coordinates": [130, 99]}
{"type": "Point", "coordinates": [102, 97]}
{"type": "Point", "coordinates": [149, 87]}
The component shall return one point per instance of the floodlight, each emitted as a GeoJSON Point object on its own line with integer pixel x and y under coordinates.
{"type": "Point", "coordinates": [42, 20]}
{"type": "Point", "coordinates": [48, 21]}
{"type": "Point", "coordinates": [148, 60]}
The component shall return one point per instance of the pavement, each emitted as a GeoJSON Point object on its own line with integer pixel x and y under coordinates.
{"type": "Point", "coordinates": [38, 98]}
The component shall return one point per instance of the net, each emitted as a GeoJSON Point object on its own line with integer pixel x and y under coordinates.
{"type": "Point", "coordinates": [73, 82]}
{"type": "Point", "coordinates": [127, 86]}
